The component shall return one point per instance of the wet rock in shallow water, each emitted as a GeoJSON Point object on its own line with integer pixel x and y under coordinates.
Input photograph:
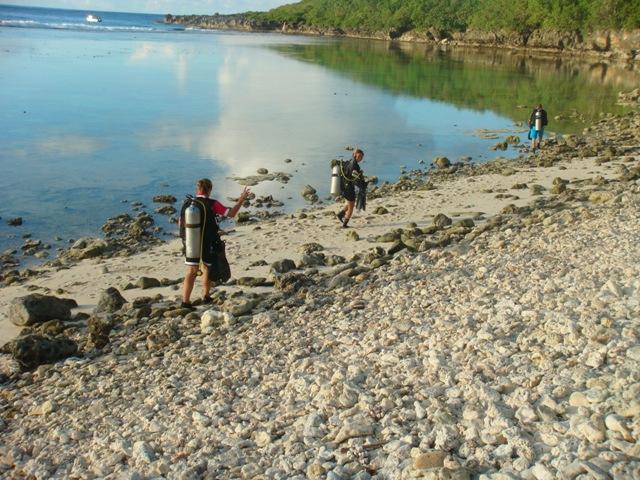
{"type": "Point", "coordinates": [283, 266]}
{"type": "Point", "coordinates": [512, 140]}
{"type": "Point", "coordinates": [262, 171]}
{"type": "Point", "coordinates": [164, 199]}
{"type": "Point", "coordinates": [36, 308]}
{"type": "Point", "coordinates": [353, 235]}
{"type": "Point", "coordinates": [110, 301]}
{"type": "Point", "coordinates": [441, 221]}
{"type": "Point", "coordinates": [166, 210]}
{"type": "Point", "coordinates": [147, 282]}
{"type": "Point", "coordinates": [500, 146]}
{"type": "Point", "coordinates": [309, 194]}
{"type": "Point", "coordinates": [15, 222]}
{"type": "Point", "coordinates": [86, 248]}
{"type": "Point", "coordinates": [243, 217]}
{"type": "Point", "coordinates": [441, 162]}
{"type": "Point", "coordinates": [519, 186]}
{"type": "Point", "coordinates": [33, 350]}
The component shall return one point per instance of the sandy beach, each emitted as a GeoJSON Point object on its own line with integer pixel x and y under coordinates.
{"type": "Point", "coordinates": [273, 240]}
{"type": "Point", "coordinates": [503, 348]}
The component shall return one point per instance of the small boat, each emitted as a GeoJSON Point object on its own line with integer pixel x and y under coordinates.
{"type": "Point", "coordinates": [91, 18]}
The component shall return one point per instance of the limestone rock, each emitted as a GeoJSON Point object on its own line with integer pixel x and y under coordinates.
{"type": "Point", "coordinates": [110, 301]}
{"type": "Point", "coordinates": [33, 350]}
{"type": "Point", "coordinates": [36, 308]}
{"type": "Point", "coordinates": [148, 282]}
{"type": "Point", "coordinates": [283, 266]}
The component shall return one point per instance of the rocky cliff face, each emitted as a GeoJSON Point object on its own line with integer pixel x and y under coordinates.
{"type": "Point", "coordinates": [623, 45]}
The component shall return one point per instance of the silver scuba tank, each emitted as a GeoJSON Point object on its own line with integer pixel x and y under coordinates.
{"type": "Point", "coordinates": [335, 181]}
{"type": "Point", "coordinates": [538, 120]}
{"type": "Point", "coordinates": [193, 232]}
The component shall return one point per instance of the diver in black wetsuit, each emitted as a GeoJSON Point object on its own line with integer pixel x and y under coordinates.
{"type": "Point", "coordinates": [352, 177]}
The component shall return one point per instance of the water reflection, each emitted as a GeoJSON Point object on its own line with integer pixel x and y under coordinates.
{"type": "Point", "coordinates": [94, 120]}
{"type": "Point", "coordinates": [153, 51]}
{"type": "Point", "coordinates": [501, 81]}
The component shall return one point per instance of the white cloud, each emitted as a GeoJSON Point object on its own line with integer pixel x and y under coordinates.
{"type": "Point", "coordinates": [68, 145]}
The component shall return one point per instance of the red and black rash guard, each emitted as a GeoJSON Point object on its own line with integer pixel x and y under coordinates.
{"type": "Point", "coordinates": [216, 207]}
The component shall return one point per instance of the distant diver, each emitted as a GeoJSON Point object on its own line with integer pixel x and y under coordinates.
{"type": "Point", "coordinates": [353, 186]}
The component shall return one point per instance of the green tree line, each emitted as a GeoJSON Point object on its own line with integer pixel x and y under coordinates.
{"type": "Point", "coordinates": [459, 15]}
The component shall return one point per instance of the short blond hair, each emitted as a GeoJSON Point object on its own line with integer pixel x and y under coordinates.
{"type": "Point", "coordinates": [204, 185]}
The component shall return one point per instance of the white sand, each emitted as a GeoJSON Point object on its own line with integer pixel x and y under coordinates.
{"type": "Point", "coordinates": [283, 237]}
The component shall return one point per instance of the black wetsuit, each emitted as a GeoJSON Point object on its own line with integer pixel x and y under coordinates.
{"type": "Point", "coordinates": [352, 176]}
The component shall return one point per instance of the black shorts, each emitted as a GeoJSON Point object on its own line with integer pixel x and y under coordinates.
{"type": "Point", "coordinates": [349, 193]}
{"type": "Point", "coordinates": [208, 257]}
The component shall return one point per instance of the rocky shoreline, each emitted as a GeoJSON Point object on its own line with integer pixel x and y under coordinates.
{"type": "Point", "coordinates": [500, 341]}
{"type": "Point", "coordinates": [618, 45]}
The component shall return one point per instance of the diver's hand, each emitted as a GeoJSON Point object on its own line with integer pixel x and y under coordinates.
{"type": "Point", "coordinates": [245, 193]}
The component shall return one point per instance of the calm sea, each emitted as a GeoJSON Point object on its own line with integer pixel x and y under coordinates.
{"type": "Point", "coordinates": [98, 114]}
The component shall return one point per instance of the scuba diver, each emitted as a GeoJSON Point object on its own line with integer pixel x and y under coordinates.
{"type": "Point", "coordinates": [352, 177]}
{"type": "Point", "coordinates": [203, 246]}
{"type": "Point", "coordinates": [537, 122]}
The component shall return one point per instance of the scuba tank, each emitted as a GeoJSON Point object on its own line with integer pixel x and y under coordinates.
{"type": "Point", "coordinates": [193, 232]}
{"type": "Point", "coordinates": [335, 180]}
{"type": "Point", "coordinates": [538, 120]}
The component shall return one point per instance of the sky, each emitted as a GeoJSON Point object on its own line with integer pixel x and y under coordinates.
{"type": "Point", "coordinates": [156, 6]}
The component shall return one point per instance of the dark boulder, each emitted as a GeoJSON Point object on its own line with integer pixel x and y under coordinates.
{"type": "Point", "coordinates": [396, 247]}
{"type": "Point", "coordinates": [283, 266]}
{"type": "Point", "coordinates": [33, 350]}
{"type": "Point", "coordinates": [441, 162]}
{"type": "Point", "coordinates": [147, 282]}
{"type": "Point", "coordinates": [99, 329]}
{"type": "Point", "coordinates": [37, 308]}
{"type": "Point", "coordinates": [441, 220]}
{"type": "Point", "coordinates": [291, 282]}
{"type": "Point", "coordinates": [110, 301]}
{"type": "Point", "coordinates": [14, 222]}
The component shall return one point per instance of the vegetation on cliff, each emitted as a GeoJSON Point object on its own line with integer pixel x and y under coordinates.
{"type": "Point", "coordinates": [458, 15]}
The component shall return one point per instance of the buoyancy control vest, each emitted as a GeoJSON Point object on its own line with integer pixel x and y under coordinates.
{"type": "Point", "coordinates": [198, 238]}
